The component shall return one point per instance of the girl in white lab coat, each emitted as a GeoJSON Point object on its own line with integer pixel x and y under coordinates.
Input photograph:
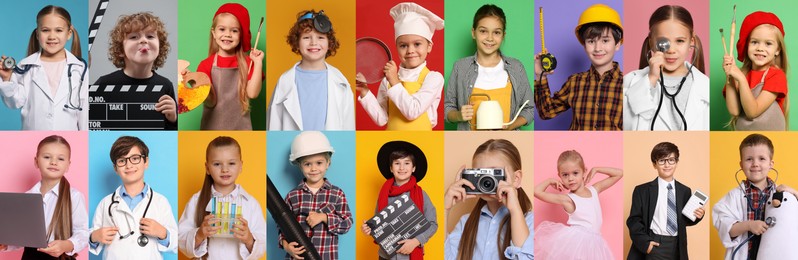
{"type": "Point", "coordinates": [312, 95]}
{"type": "Point", "coordinates": [134, 222]}
{"type": "Point", "coordinates": [64, 207]}
{"type": "Point", "coordinates": [52, 93]}
{"type": "Point", "coordinates": [197, 227]}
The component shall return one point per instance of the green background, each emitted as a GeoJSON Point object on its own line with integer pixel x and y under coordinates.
{"type": "Point", "coordinates": [720, 17]}
{"type": "Point", "coordinates": [518, 43]}
{"type": "Point", "coordinates": [194, 28]}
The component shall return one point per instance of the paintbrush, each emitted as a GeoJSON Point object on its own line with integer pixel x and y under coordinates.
{"type": "Point", "coordinates": [723, 41]}
{"type": "Point", "coordinates": [731, 35]}
{"type": "Point", "coordinates": [256, 44]}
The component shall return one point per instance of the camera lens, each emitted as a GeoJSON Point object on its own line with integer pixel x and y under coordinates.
{"type": "Point", "coordinates": [486, 184]}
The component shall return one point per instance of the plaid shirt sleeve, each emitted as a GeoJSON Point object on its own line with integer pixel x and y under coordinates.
{"type": "Point", "coordinates": [550, 106]}
{"type": "Point", "coordinates": [339, 221]}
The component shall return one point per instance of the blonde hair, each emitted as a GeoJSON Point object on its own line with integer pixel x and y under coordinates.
{"type": "Point", "coordinates": [570, 156]}
{"type": "Point", "coordinates": [241, 60]}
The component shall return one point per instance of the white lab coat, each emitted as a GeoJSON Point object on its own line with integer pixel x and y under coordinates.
{"type": "Point", "coordinates": [426, 99]}
{"type": "Point", "coordinates": [641, 101]}
{"type": "Point", "coordinates": [221, 247]}
{"type": "Point", "coordinates": [41, 110]}
{"type": "Point", "coordinates": [731, 209]}
{"type": "Point", "coordinates": [128, 248]}
{"type": "Point", "coordinates": [285, 112]}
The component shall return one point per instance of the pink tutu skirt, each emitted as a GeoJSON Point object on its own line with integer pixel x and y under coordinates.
{"type": "Point", "coordinates": [562, 242]}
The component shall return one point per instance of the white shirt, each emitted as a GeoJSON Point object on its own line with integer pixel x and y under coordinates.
{"type": "Point", "coordinates": [222, 247]}
{"type": "Point", "coordinates": [80, 217]}
{"type": "Point", "coordinates": [489, 78]}
{"type": "Point", "coordinates": [659, 223]}
{"type": "Point", "coordinates": [426, 99]}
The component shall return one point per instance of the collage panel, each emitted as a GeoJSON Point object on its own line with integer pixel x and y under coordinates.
{"type": "Point", "coordinates": [225, 33]}
{"type": "Point", "coordinates": [491, 163]}
{"type": "Point", "coordinates": [133, 195]}
{"type": "Point", "coordinates": [327, 54]}
{"type": "Point", "coordinates": [653, 161]}
{"type": "Point", "coordinates": [230, 186]}
{"type": "Point", "coordinates": [34, 99]}
{"type": "Point", "coordinates": [579, 181]}
{"type": "Point", "coordinates": [507, 35]}
{"type": "Point", "coordinates": [132, 80]}
{"type": "Point", "coordinates": [302, 164]}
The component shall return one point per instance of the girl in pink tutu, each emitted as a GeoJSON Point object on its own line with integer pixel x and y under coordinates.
{"type": "Point", "coordinates": [582, 234]}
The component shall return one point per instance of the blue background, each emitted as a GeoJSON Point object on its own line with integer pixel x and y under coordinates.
{"type": "Point", "coordinates": [20, 20]}
{"type": "Point", "coordinates": [161, 175]}
{"type": "Point", "coordinates": [286, 176]}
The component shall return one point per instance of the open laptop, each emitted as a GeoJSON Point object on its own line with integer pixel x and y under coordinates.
{"type": "Point", "coordinates": [22, 220]}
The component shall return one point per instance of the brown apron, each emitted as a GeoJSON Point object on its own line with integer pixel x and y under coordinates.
{"type": "Point", "coordinates": [770, 120]}
{"type": "Point", "coordinates": [226, 115]}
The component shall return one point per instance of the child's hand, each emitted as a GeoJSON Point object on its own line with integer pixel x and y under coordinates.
{"type": "Point", "coordinates": [556, 184]}
{"type": "Point", "coordinates": [104, 235]}
{"type": "Point", "coordinates": [785, 188]}
{"type": "Point", "coordinates": [391, 72]}
{"type": "Point", "coordinates": [315, 218]}
{"type": "Point", "coordinates": [365, 228]}
{"type": "Point", "coordinates": [3, 247]}
{"type": "Point", "coordinates": [699, 212]}
{"type": "Point", "coordinates": [5, 73]}
{"type": "Point", "coordinates": [508, 195]}
{"type": "Point", "coordinates": [539, 66]}
{"type": "Point", "coordinates": [294, 249]}
{"type": "Point", "coordinates": [731, 69]}
{"type": "Point", "coordinates": [241, 231]}
{"type": "Point", "coordinates": [207, 228]}
{"type": "Point", "coordinates": [590, 175]}
{"type": "Point", "coordinates": [655, 66]}
{"type": "Point", "coordinates": [166, 105]}
{"type": "Point", "coordinates": [256, 55]}
{"type": "Point", "coordinates": [651, 245]}
{"type": "Point", "coordinates": [57, 248]}
{"type": "Point", "coordinates": [467, 112]}
{"type": "Point", "coordinates": [151, 227]}
{"type": "Point", "coordinates": [456, 192]}
{"type": "Point", "coordinates": [362, 87]}
{"type": "Point", "coordinates": [758, 227]}
{"type": "Point", "coordinates": [408, 245]}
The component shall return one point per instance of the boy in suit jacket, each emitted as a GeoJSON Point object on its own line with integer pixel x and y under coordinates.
{"type": "Point", "coordinates": [656, 226]}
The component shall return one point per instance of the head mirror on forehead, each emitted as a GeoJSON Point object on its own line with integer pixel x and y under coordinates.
{"type": "Point", "coordinates": [320, 21]}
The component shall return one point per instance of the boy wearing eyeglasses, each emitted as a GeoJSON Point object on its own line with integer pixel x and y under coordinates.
{"type": "Point", "coordinates": [134, 222]}
{"type": "Point", "coordinates": [656, 225]}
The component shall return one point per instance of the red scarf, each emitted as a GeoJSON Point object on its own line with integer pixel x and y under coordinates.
{"type": "Point", "coordinates": [390, 190]}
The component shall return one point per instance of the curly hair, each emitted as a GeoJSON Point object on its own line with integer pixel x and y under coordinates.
{"type": "Point", "coordinates": [306, 25]}
{"type": "Point", "coordinates": [133, 23]}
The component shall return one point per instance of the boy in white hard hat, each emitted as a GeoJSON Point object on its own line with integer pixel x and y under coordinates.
{"type": "Point", "coordinates": [320, 207]}
{"type": "Point", "coordinates": [409, 94]}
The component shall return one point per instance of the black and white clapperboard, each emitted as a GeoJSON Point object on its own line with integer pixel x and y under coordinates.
{"type": "Point", "coordinates": [130, 107]}
{"type": "Point", "coordinates": [398, 221]}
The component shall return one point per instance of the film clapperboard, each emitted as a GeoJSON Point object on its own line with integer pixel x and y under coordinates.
{"type": "Point", "coordinates": [125, 107]}
{"type": "Point", "coordinates": [398, 221]}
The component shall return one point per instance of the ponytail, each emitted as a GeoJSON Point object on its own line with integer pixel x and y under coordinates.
{"type": "Point", "coordinates": [202, 201]}
{"type": "Point", "coordinates": [61, 223]}
{"type": "Point", "coordinates": [699, 53]}
{"type": "Point", "coordinates": [644, 52]}
{"type": "Point", "coordinates": [33, 43]}
{"type": "Point", "coordinates": [75, 50]}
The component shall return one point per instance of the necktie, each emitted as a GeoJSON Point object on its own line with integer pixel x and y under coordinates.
{"type": "Point", "coordinates": [671, 211]}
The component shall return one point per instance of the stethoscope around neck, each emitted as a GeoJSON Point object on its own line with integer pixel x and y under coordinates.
{"type": "Point", "coordinates": [69, 105]}
{"type": "Point", "coordinates": [142, 240]}
{"type": "Point", "coordinates": [663, 44]}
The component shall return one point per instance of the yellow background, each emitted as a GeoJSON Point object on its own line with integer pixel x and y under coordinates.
{"type": "Point", "coordinates": [460, 147]}
{"type": "Point", "coordinates": [191, 165]}
{"type": "Point", "coordinates": [280, 58]}
{"type": "Point", "coordinates": [725, 160]}
{"type": "Point", "coordinates": [692, 170]}
{"type": "Point", "coordinates": [369, 182]}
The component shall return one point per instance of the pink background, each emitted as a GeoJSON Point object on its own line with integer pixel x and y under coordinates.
{"type": "Point", "coordinates": [635, 28]}
{"type": "Point", "coordinates": [21, 174]}
{"type": "Point", "coordinates": [599, 149]}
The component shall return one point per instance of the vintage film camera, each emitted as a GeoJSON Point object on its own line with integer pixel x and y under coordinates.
{"type": "Point", "coordinates": [485, 180]}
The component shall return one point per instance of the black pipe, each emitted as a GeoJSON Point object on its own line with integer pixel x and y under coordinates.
{"type": "Point", "coordinates": [286, 221]}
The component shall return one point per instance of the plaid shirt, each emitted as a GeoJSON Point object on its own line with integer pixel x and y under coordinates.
{"type": "Point", "coordinates": [329, 199]}
{"type": "Point", "coordinates": [597, 100]}
{"type": "Point", "coordinates": [756, 209]}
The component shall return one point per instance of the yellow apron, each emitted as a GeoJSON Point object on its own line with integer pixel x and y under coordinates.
{"type": "Point", "coordinates": [397, 121]}
{"type": "Point", "coordinates": [503, 95]}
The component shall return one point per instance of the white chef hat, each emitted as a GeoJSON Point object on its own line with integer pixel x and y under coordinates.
{"type": "Point", "coordinates": [411, 18]}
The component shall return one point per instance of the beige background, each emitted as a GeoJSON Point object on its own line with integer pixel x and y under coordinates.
{"type": "Point", "coordinates": [692, 170]}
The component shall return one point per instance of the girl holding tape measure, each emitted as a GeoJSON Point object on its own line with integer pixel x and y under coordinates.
{"type": "Point", "coordinates": [409, 95]}
{"type": "Point", "coordinates": [502, 78]}
{"type": "Point", "coordinates": [65, 207]}
{"type": "Point", "coordinates": [198, 228]}
{"type": "Point", "coordinates": [48, 85]}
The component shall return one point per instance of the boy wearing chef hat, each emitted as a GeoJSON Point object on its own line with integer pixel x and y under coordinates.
{"type": "Point", "coordinates": [409, 95]}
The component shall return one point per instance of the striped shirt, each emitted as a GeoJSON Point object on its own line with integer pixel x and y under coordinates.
{"type": "Point", "coordinates": [597, 100]}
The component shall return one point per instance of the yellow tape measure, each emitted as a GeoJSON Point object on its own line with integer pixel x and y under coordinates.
{"type": "Point", "coordinates": [547, 60]}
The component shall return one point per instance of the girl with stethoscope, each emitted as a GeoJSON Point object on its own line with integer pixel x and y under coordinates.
{"type": "Point", "coordinates": [48, 85]}
{"type": "Point", "coordinates": [134, 222]}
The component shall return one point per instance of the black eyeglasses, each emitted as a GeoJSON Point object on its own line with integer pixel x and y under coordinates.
{"type": "Point", "coordinates": [670, 161]}
{"type": "Point", "coordinates": [134, 159]}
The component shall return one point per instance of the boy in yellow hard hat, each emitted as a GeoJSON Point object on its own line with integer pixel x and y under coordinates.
{"type": "Point", "coordinates": [596, 95]}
